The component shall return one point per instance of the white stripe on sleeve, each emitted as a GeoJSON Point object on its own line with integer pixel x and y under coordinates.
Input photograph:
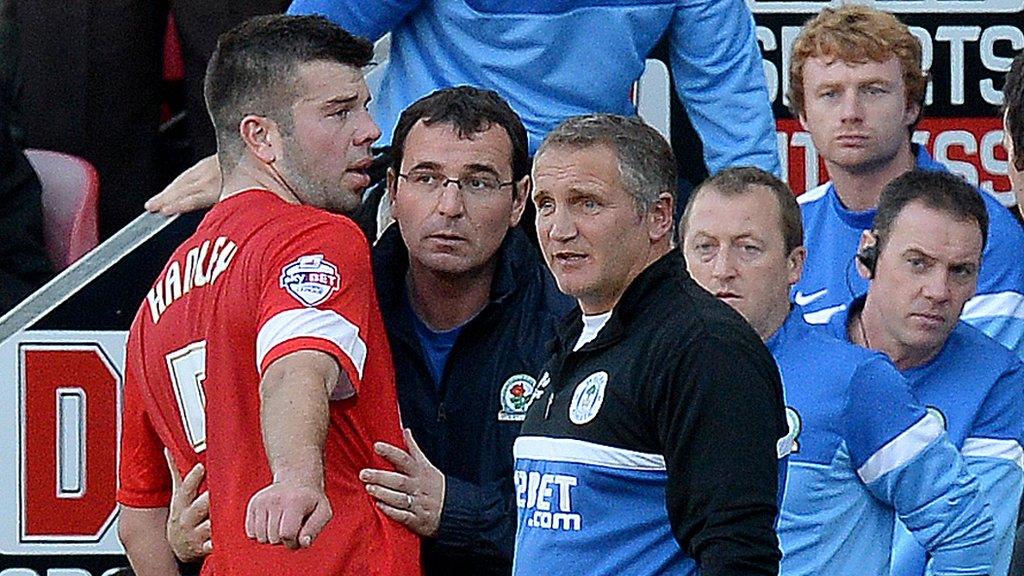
{"type": "Point", "coordinates": [999, 304]}
{"type": "Point", "coordinates": [901, 449]}
{"type": "Point", "coordinates": [316, 323]}
{"type": "Point", "coordinates": [994, 448]}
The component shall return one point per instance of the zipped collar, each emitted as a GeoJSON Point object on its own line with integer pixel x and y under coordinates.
{"type": "Point", "coordinates": [634, 303]}
{"type": "Point", "coordinates": [391, 264]}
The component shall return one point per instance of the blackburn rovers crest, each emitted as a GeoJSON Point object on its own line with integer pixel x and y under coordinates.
{"type": "Point", "coordinates": [516, 395]}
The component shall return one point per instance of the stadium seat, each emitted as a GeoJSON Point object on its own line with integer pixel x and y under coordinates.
{"type": "Point", "coordinates": [70, 196]}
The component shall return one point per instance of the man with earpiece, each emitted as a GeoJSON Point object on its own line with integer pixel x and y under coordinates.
{"type": "Point", "coordinates": [742, 238]}
{"type": "Point", "coordinates": [857, 86]}
{"type": "Point", "coordinates": [921, 261]}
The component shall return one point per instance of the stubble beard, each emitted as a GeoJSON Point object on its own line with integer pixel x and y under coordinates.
{"type": "Point", "coordinates": [330, 195]}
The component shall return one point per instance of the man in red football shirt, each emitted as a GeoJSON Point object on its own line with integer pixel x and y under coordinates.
{"type": "Point", "coordinates": [260, 349]}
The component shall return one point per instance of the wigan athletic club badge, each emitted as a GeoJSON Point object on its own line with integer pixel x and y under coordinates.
{"type": "Point", "coordinates": [311, 279]}
{"type": "Point", "coordinates": [588, 397]}
{"type": "Point", "coordinates": [516, 394]}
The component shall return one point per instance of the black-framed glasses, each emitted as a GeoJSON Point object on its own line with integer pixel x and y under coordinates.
{"type": "Point", "coordinates": [428, 181]}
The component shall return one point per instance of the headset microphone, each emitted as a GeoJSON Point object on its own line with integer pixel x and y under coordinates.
{"type": "Point", "coordinates": [868, 256]}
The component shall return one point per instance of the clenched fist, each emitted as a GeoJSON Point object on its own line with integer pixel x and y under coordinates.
{"type": "Point", "coordinates": [289, 513]}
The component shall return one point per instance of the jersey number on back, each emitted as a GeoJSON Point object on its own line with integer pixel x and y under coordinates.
{"type": "Point", "coordinates": [188, 372]}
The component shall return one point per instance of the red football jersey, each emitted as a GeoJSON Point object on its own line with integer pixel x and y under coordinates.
{"type": "Point", "coordinates": [260, 279]}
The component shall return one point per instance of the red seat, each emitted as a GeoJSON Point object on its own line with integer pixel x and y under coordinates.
{"type": "Point", "coordinates": [70, 197]}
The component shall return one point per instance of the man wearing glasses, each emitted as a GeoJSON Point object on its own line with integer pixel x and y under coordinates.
{"type": "Point", "coordinates": [468, 306]}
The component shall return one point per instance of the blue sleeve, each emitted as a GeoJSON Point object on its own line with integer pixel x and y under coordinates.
{"type": "Point", "coordinates": [1000, 316]}
{"type": "Point", "coordinates": [908, 557]}
{"type": "Point", "coordinates": [994, 455]}
{"type": "Point", "coordinates": [878, 410]}
{"type": "Point", "coordinates": [783, 475]}
{"type": "Point", "coordinates": [941, 504]}
{"type": "Point", "coordinates": [1001, 483]}
{"type": "Point", "coordinates": [360, 17]}
{"type": "Point", "coordinates": [718, 73]}
{"type": "Point", "coordinates": [478, 519]}
{"type": "Point", "coordinates": [904, 458]}
{"type": "Point", "coordinates": [1001, 415]}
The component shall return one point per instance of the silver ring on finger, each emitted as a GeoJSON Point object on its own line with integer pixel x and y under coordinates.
{"type": "Point", "coordinates": [408, 501]}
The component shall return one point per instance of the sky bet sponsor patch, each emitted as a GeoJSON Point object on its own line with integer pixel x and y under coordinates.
{"type": "Point", "coordinates": [311, 279]}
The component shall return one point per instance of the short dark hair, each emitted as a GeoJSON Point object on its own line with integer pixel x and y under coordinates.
{"type": "Point", "coordinates": [936, 190]}
{"type": "Point", "coordinates": [647, 166]}
{"type": "Point", "coordinates": [1013, 108]}
{"type": "Point", "coordinates": [743, 180]}
{"type": "Point", "coordinates": [470, 111]}
{"type": "Point", "coordinates": [252, 71]}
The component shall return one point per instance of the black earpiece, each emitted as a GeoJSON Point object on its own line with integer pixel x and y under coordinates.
{"type": "Point", "coordinates": [868, 256]}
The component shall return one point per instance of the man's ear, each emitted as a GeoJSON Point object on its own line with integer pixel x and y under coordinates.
{"type": "Point", "coordinates": [392, 184]}
{"type": "Point", "coordinates": [659, 217]}
{"type": "Point", "coordinates": [261, 137]}
{"type": "Point", "coordinates": [795, 264]}
{"type": "Point", "coordinates": [911, 114]}
{"type": "Point", "coordinates": [520, 196]}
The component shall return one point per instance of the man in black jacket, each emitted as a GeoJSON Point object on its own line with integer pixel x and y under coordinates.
{"type": "Point", "coordinates": [468, 307]}
{"type": "Point", "coordinates": [651, 443]}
